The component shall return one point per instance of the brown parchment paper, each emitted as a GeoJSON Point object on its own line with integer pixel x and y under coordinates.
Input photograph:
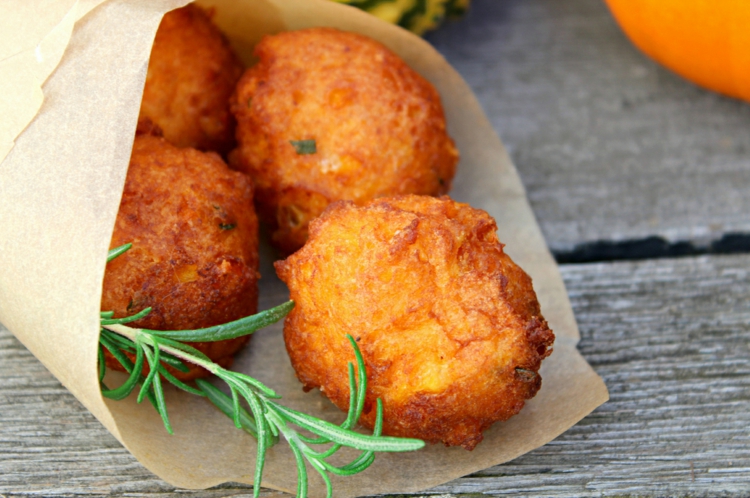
{"type": "Point", "coordinates": [69, 109]}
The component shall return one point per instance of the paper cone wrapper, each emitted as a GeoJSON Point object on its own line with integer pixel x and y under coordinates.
{"type": "Point", "coordinates": [71, 79]}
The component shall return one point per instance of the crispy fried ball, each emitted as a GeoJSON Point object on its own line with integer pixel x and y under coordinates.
{"type": "Point", "coordinates": [191, 75]}
{"type": "Point", "coordinates": [449, 327]}
{"type": "Point", "coordinates": [327, 115]}
{"type": "Point", "coordinates": [194, 258]}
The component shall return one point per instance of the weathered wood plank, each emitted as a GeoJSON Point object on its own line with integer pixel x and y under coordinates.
{"type": "Point", "coordinates": [609, 145]}
{"type": "Point", "coordinates": [671, 338]}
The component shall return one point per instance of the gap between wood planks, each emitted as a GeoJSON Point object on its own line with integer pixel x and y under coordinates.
{"type": "Point", "coordinates": [652, 248]}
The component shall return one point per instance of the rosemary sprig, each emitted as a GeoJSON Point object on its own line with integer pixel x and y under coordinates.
{"type": "Point", "coordinates": [266, 419]}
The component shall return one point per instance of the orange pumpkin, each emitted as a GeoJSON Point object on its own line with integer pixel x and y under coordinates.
{"type": "Point", "coordinates": [705, 41]}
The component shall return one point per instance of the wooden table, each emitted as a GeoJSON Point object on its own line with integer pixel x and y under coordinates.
{"type": "Point", "coordinates": [641, 184]}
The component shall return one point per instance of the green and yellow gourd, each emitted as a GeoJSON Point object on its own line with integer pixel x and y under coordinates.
{"type": "Point", "coordinates": [418, 16]}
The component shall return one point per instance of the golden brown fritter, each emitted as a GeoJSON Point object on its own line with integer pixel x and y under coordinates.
{"type": "Point", "coordinates": [378, 128]}
{"type": "Point", "coordinates": [191, 75]}
{"type": "Point", "coordinates": [194, 232]}
{"type": "Point", "coordinates": [449, 327]}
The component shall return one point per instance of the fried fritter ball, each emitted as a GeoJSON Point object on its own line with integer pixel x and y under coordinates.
{"type": "Point", "coordinates": [191, 75]}
{"type": "Point", "coordinates": [328, 115]}
{"type": "Point", "coordinates": [194, 258]}
{"type": "Point", "coordinates": [449, 327]}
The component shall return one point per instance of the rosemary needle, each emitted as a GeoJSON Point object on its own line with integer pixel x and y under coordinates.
{"type": "Point", "coordinates": [252, 406]}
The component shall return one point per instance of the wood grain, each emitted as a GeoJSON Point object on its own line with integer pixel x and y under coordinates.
{"type": "Point", "coordinates": [610, 145]}
{"type": "Point", "coordinates": [671, 338]}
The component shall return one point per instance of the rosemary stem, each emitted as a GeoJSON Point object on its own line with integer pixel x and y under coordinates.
{"type": "Point", "coordinates": [134, 335]}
